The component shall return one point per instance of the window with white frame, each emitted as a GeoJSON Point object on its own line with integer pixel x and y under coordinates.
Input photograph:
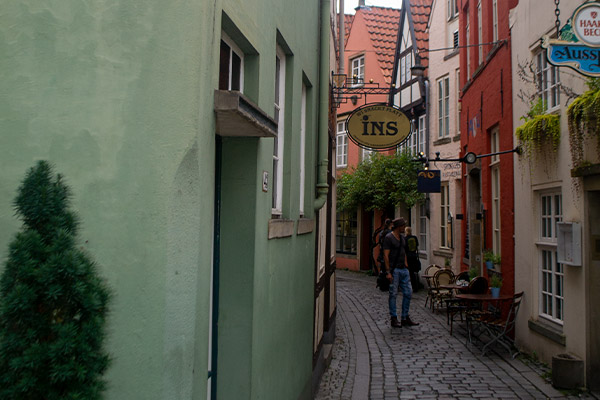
{"type": "Point", "coordinates": [445, 234]}
{"type": "Point", "coordinates": [452, 9]}
{"type": "Point", "coordinates": [455, 41]}
{"type": "Point", "coordinates": [551, 271]}
{"type": "Point", "coordinates": [278, 145]}
{"type": "Point", "coordinates": [366, 154]}
{"type": "Point", "coordinates": [547, 81]}
{"type": "Point", "coordinates": [358, 70]}
{"type": "Point", "coordinates": [422, 136]}
{"type": "Point", "coordinates": [341, 139]}
{"type": "Point", "coordinates": [468, 43]}
{"type": "Point", "coordinates": [231, 65]}
{"type": "Point", "coordinates": [422, 227]}
{"type": "Point", "coordinates": [302, 147]}
{"type": "Point", "coordinates": [479, 33]}
{"type": "Point", "coordinates": [495, 19]}
{"type": "Point", "coordinates": [495, 170]}
{"type": "Point", "coordinates": [416, 141]}
{"type": "Point", "coordinates": [406, 63]}
{"type": "Point", "coordinates": [443, 86]}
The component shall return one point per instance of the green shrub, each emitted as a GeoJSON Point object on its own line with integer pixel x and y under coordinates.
{"type": "Point", "coordinates": [53, 305]}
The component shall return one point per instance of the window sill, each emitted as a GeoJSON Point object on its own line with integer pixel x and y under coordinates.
{"type": "Point", "coordinates": [448, 56]}
{"type": "Point", "coordinates": [548, 331]}
{"type": "Point", "coordinates": [280, 228]}
{"type": "Point", "coordinates": [447, 253]}
{"type": "Point", "coordinates": [456, 138]}
{"type": "Point", "coordinates": [305, 226]}
{"type": "Point", "coordinates": [442, 141]}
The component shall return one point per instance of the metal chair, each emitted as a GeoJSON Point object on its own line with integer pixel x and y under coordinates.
{"type": "Point", "coordinates": [501, 329]}
{"type": "Point", "coordinates": [429, 272]}
{"type": "Point", "coordinates": [438, 294]}
{"type": "Point", "coordinates": [479, 285]}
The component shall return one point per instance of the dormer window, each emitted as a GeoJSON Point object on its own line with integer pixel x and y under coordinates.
{"type": "Point", "coordinates": [358, 70]}
{"type": "Point", "coordinates": [231, 65]}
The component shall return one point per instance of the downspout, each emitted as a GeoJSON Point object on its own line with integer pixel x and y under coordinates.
{"type": "Point", "coordinates": [323, 129]}
{"type": "Point", "coordinates": [342, 38]}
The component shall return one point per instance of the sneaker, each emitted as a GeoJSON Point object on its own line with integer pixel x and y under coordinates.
{"type": "Point", "coordinates": [409, 322]}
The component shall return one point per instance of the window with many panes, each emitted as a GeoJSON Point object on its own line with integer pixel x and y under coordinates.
{"type": "Point", "coordinates": [452, 9]}
{"type": "Point", "coordinates": [302, 147]}
{"type": "Point", "coordinates": [443, 87]}
{"type": "Point", "coordinates": [358, 70]}
{"type": "Point", "coordinates": [422, 227]}
{"type": "Point", "coordinates": [495, 19]}
{"type": "Point", "coordinates": [346, 232]}
{"type": "Point", "coordinates": [445, 233]}
{"type": "Point", "coordinates": [551, 271]}
{"type": "Point", "coordinates": [547, 81]}
{"type": "Point", "coordinates": [416, 141]}
{"type": "Point", "coordinates": [479, 33]}
{"type": "Point", "coordinates": [231, 65]}
{"type": "Point", "coordinates": [366, 154]}
{"type": "Point", "coordinates": [406, 63]}
{"type": "Point", "coordinates": [495, 169]}
{"type": "Point", "coordinates": [278, 145]}
{"type": "Point", "coordinates": [341, 148]}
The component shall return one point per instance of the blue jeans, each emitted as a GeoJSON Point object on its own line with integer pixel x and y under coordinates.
{"type": "Point", "coordinates": [401, 282]}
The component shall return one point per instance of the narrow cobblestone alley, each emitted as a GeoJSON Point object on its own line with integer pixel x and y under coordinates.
{"type": "Point", "coordinates": [370, 361]}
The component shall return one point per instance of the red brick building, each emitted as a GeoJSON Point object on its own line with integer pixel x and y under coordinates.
{"type": "Point", "coordinates": [486, 127]}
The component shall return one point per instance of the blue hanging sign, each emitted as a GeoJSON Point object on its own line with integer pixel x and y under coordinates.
{"type": "Point", "coordinates": [578, 46]}
{"type": "Point", "coordinates": [429, 181]}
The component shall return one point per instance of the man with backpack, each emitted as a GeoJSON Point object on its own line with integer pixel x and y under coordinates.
{"type": "Point", "coordinates": [394, 255]}
{"type": "Point", "coordinates": [412, 256]}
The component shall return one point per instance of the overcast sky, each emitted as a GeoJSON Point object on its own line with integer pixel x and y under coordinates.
{"type": "Point", "coordinates": [350, 5]}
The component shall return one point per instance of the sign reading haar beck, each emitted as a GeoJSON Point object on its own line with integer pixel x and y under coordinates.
{"type": "Point", "coordinates": [578, 46]}
{"type": "Point", "coordinates": [378, 126]}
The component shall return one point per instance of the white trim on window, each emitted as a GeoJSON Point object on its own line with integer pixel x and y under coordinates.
{"type": "Point", "coordinates": [278, 145]}
{"type": "Point", "coordinates": [548, 82]}
{"type": "Point", "coordinates": [341, 147]}
{"type": "Point", "coordinates": [452, 9]}
{"type": "Point", "coordinates": [358, 70]}
{"type": "Point", "coordinates": [234, 50]}
{"type": "Point", "coordinates": [443, 87]}
{"type": "Point", "coordinates": [302, 148]}
{"type": "Point", "coordinates": [445, 234]}
{"type": "Point", "coordinates": [551, 272]}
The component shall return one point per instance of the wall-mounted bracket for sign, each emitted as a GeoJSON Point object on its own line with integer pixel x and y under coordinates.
{"type": "Point", "coordinates": [578, 43]}
{"type": "Point", "coordinates": [469, 158]}
{"type": "Point", "coordinates": [354, 89]}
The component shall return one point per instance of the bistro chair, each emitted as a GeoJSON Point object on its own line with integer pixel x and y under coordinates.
{"type": "Point", "coordinates": [500, 329]}
{"type": "Point", "coordinates": [478, 285]}
{"type": "Point", "coordinates": [429, 272]}
{"type": "Point", "coordinates": [440, 278]}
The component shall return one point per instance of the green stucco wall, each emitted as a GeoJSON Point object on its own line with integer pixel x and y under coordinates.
{"type": "Point", "coordinates": [118, 95]}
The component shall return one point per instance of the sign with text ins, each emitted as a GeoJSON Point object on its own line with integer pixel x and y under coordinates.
{"type": "Point", "coordinates": [429, 181]}
{"type": "Point", "coordinates": [378, 126]}
{"type": "Point", "coordinates": [578, 46]}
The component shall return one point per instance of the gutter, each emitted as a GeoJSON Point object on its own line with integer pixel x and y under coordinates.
{"type": "Point", "coordinates": [323, 128]}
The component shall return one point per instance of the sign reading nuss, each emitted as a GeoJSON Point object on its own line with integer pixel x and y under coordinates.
{"type": "Point", "coordinates": [378, 126]}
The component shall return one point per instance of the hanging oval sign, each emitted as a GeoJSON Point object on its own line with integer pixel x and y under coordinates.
{"type": "Point", "coordinates": [378, 126]}
{"type": "Point", "coordinates": [586, 23]}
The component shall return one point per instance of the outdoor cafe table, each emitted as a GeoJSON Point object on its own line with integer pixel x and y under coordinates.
{"type": "Point", "coordinates": [479, 298]}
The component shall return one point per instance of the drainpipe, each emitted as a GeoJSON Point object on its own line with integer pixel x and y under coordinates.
{"type": "Point", "coordinates": [342, 37]}
{"type": "Point", "coordinates": [323, 138]}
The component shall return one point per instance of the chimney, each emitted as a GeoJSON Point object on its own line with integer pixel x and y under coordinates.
{"type": "Point", "coordinates": [361, 3]}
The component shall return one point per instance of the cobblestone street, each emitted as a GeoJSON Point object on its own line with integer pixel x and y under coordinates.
{"type": "Point", "coordinates": [370, 361]}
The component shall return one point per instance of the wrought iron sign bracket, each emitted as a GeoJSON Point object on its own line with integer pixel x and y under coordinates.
{"type": "Point", "coordinates": [354, 88]}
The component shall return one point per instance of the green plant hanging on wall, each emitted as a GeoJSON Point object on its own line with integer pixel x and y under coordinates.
{"type": "Point", "coordinates": [538, 130]}
{"type": "Point", "coordinates": [583, 114]}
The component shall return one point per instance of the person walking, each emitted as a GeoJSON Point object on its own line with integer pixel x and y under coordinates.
{"type": "Point", "coordinates": [412, 257]}
{"type": "Point", "coordinates": [394, 255]}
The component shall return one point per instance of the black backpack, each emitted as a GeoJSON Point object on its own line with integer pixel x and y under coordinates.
{"type": "Point", "coordinates": [383, 283]}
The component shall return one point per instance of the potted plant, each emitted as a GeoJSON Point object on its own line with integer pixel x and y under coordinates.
{"type": "Point", "coordinates": [473, 273]}
{"type": "Point", "coordinates": [495, 284]}
{"type": "Point", "coordinates": [488, 257]}
{"type": "Point", "coordinates": [447, 263]}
